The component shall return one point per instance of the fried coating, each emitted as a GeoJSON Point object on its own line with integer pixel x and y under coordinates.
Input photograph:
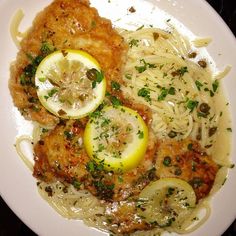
{"type": "Point", "coordinates": [64, 24]}
{"type": "Point", "coordinates": [186, 160]}
{"type": "Point", "coordinates": [60, 154]}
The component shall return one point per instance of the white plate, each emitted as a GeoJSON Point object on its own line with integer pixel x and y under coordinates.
{"type": "Point", "coordinates": [17, 186]}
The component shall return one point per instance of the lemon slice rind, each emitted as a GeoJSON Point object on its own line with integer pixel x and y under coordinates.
{"type": "Point", "coordinates": [135, 150]}
{"type": "Point", "coordinates": [179, 198]}
{"type": "Point", "coordinates": [44, 86]}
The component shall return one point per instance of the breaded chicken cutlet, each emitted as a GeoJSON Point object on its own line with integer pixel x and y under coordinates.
{"type": "Point", "coordinates": [63, 24]}
{"type": "Point", "coordinates": [60, 154]}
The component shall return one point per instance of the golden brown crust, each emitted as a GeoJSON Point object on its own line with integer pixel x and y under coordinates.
{"type": "Point", "coordinates": [66, 24]}
{"type": "Point", "coordinates": [61, 155]}
{"type": "Point", "coordinates": [186, 160]}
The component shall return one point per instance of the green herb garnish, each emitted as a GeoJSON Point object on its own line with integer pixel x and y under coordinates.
{"type": "Point", "coordinates": [145, 66]}
{"type": "Point", "coordinates": [191, 104]}
{"type": "Point", "coordinates": [198, 84]}
{"type": "Point", "coordinates": [140, 134]}
{"type": "Point", "coordinates": [115, 85]}
{"type": "Point", "coordinates": [98, 79]}
{"type": "Point", "coordinates": [145, 93]}
{"type": "Point", "coordinates": [215, 85]}
{"type": "Point", "coordinates": [133, 42]}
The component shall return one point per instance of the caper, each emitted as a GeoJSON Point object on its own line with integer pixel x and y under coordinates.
{"type": "Point", "coordinates": [204, 107]}
{"type": "Point", "coordinates": [212, 131]}
{"type": "Point", "coordinates": [92, 74]}
{"type": "Point", "coordinates": [61, 112]}
{"type": "Point", "coordinates": [178, 171]}
{"type": "Point", "coordinates": [167, 161]}
{"type": "Point", "coordinates": [202, 63]}
{"type": "Point", "coordinates": [83, 97]}
{"type": "Point", "coordinates": [192, 54]}
{"type": "Point", "coordinates": [172, 134]}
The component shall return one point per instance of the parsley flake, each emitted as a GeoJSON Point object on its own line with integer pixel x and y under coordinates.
{"type": "Point", "coordinates": [215, 85]}
{"type": "Point", "coordinates": [145, 66]}
{"type": "Point", "coordinates": [145, 93]}
{"type": "Point", "coordinates": [115, 85]}
{"type": "Point", "coordinates": [133, 43]}
{"type": "Point", "coordinates": [191, 104]}
{"type": "Point", "coordinates": [140, 134]}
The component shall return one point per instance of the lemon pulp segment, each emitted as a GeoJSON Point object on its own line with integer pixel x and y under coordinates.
{"type": "Point", "coordinates": [166, 202]}
{"type": "Point", "coordinates": [64, 87]}
{"type": "Point", "coordinates": [117, 137]}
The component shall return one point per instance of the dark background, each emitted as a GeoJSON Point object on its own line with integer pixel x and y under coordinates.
{"type": "Point", "coordinates": [12, 226]}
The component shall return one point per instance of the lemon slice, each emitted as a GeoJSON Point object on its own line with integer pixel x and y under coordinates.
{"type": "Point", "coordinates": [70, 83]}
{"type": "Point", "coordinates": [166, 202]}
{"type": "Point", "coordinates": [116, 137]}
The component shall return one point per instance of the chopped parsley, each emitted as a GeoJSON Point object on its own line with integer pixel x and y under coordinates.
{"type": "Point", "coordinates": [115, 85]}
{"type": "Point", "coordinates": [163, 94]}
{"type": "Point", "coordinates": [44, 130]}
{"type": "Point", "coordinates": [191, 104]}
{"type": "Point", "coordinates": [93, 24]}
{"type": "Point", "coordinates": [180, 72]}
{"type": "Point", "coordinates": [52, 92]}
{"type": "Point", "coordinates": [133, 42]}
{"type": "Point", "coordinates": [145, 66]}
{"type": "Point", "coordinates": [171, 91]}
{"type": "Point", "coordinates": [120, 179]}
{"type": "Point", "coordinates": [183, 70]}
{"type": "Point", "coordinates": [140, 134]}
{"type": "Point", "coordinates": [98, 79]}
{"type": "Point", "coordinates": [198, 84]}
{"type": "Point", "coordinates": [105, 122]}
{"type": "Point", "coordinates": [90, 166]}
{"type": "Point", "coordinates": [95, 114]}
{"type": "Point", "coordinates": [93, 167]}
{"type": "Point", "coordinates": [170, 191]}
{"type": "Point", "coordinates": [100, 147]}
{"type": "Point", "coordinates": [115, 101]}
{"type": "Point", "coordinates": [104, 190]}
{"type": "Point", "coordinates": [145, 93]}
{"type": "Point", "coordinates": [47, 48]}
{"type": "Point", "coordinates": [128, 76]}
{"type": "Point", "coordinates": [26, 78]}
{"type": "Point", "coordinates": [68, 134]}
{"type": "Point", "coordinates": [42, 79]}
{"type": "Point", "coordinates": [76, 184]}
{"type": "Point", "coordinates": [215, 85]}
